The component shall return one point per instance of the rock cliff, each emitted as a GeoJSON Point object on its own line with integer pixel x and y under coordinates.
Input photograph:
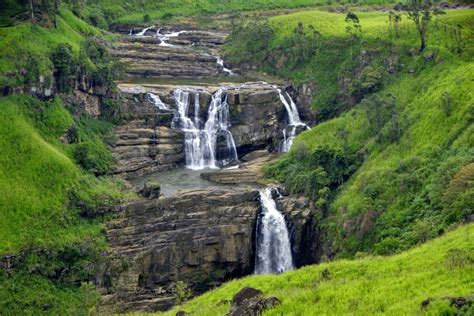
{"type": "Point", "coordinates": [200, 237]}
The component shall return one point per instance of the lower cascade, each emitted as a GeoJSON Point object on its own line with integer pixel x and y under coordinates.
{"type": "Point", "coordinates": [201, 139]}
{"type": "Point", "coordinates": [273, 249]}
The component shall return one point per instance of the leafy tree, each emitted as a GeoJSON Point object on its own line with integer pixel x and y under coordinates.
{"type": "Point", "coordinates": [353, 27]}
{"type": "Point", "coordinates": [64, 66]}
{"type": "Point", "coordinates": [420, 11]}
{"type": "Point", "coordinates": [181, 292]}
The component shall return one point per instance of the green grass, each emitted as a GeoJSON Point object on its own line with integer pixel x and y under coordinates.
{"type": "Point", "coordinates": [26, 46]}
{"type": "Point", "coordinates": [392, 194]}
{"type": "Point", "coordinates": [371, 286]}
{"type": "Point", "coordinates": [36, 177]}
{"type": "Point", "coordinates": [132, 12]}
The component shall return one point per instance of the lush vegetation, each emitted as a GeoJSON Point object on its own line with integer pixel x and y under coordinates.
{"type": "Point", "coordinates": [51, 155]}
{"type": "Point", "coordinates": [397, 134]}
{"type": "Point", "coordinates": [394, 285]}
{"type": "Point", "coordinates": [103, 13]}
{"type": "Point", "coordinates": [389, 166]}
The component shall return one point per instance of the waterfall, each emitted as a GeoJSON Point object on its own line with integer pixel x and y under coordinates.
{"type": "Point", "coordinates": [165, 37]}
{"type": "Point", "coordinates": [220, 62]}
{"type": "Point", "coordinates": [294, 121]}
{"type": "Point", "coordinates": [273, 249]}
{"type": "Point", "coordinates": [143, 32]}
{"type": "Point", "coordinates": [156, 101]}
{"type": "Point", "coordinates": [201, 142]}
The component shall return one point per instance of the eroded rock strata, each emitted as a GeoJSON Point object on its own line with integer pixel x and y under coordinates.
{"type": "Point", "coordinates": [200, 237]}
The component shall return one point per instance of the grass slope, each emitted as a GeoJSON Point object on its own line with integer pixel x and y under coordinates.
{"type": "Point", "coordinates": [404, 189]}
{"type": "Point", "coordinates": [133, 12]}
{"type": "Point", "coordinates": [371, 286]}
{"type": "Point", "coordinates": [28, 46]}
{"type": "Point", "coordinates": [53, 250]}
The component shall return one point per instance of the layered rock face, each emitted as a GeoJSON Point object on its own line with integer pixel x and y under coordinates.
{"type": "Point", "coordinates": [190, 54]}
{"type": "Point", "coordinates": [147, 143]}
{"type": "Point", "coordinates": [200, 237]}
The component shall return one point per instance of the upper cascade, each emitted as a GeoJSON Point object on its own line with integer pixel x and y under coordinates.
{"type": "Point", "coordinates": [201, 139]}
{"type": "Point", "coordinates": [156, 101]}
{"type": "Point", "coordinates": [294, 121]}
{"type": "Point", "coordinates": [273, 248]}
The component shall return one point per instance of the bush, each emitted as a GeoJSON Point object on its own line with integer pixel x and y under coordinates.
{"type": "Point", "coordinates": [388, 246]}
{"type": "Point", "coordinates": [181, 292]}
{"type": "Point", "coordinates": [146, 18]}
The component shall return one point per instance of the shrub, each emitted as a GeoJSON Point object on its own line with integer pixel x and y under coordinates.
{"type": "Point", "coordinates": [181, 292]}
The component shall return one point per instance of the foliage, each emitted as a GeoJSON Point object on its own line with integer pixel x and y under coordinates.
{"type": "Point", "coordinates": [181, 292]}
{"type": "Point", "coordinates": [64, 66]}
{"type": "Point", "coordinates": [90, 152]}
{"type": "Point", "coordinates": [394, 285]}
{"type": "Point", "coordinates": [420, 11]}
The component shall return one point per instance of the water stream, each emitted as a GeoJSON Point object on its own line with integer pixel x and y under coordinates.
{"type": "Point", "coordinates": [201, 140]}
{"type": "Point", "coordinates": [273, 249]}
{"type": "Point", "coordinates": [293, 119]}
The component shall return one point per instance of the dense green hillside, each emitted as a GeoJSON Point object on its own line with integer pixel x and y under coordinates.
{"type": "Point", "coordinates": [375, 285]}
{"type": "Point", "coordinates": [394, 168]}
{"type": "Point", "coordinates": [48, 161]}
{"type": "Point", "coordinates": [108, 12]}
{"type": "Point", "coordinates": [389, 165]}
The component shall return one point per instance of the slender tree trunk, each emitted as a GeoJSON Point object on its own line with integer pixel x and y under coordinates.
{"type": "Point", "coordinates": [423, 41]}
{"type": "Point", "coordinates": [56, 9]}
{"type": "Point", "coordinates": [32, 9]}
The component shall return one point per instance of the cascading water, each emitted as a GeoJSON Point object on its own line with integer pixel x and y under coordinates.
{"type": "Point", "coordinates": [153, 98]}
{"type": "Point", "coordinates": [294, 121]}
{"type": "Point", "coordinates": [201, 143]}
{"type": "Point", "coordinates": [165, 37]}
{"type": "Point", "coordinates": [143, 32]}
{"type": "Point", "coordinates": [273, 249]}
{"type": "Point", "coordinates": [220, 62]}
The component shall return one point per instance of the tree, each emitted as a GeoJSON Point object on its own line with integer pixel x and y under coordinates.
{"type": "Point", "coordinates": [420, 11]}
{"type": "Point", "coordinates": [353, 27]}
{"type": "Point", "coordinates": [64, 66]}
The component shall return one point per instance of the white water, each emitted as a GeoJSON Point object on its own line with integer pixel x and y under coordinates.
{"type": "Point", "coordinates": [273, 249]}
{"type": "Point", "coordinates": [143, 32]}
{"type": "Point", "coordinates": [153, 98]}
{"type": "Point", "coordinates": [220, 62]}
{"type": "Point", "coordinates": [164, 38]}
{"type": "Point", "coordinates": [294, 121]}
{"type": "Point", "coordinates": [201, 142]}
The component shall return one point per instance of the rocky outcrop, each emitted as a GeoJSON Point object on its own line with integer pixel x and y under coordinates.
{"type": "Point", "coordinates": [200, 237]}
{"type": "Point", "coordinates": [249, 302]}
{"type": "Point", "coordinates": [146, 142]}
{"type": "Point", "coordinates": [187, 55]}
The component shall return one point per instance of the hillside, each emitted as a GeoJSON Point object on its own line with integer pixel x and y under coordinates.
{"type": "Point", "coordinates": [137, 138]}
{"type": "Point", "coordinates": [395, 285]}
{"type": "Point", "coordinates": [381, 170]}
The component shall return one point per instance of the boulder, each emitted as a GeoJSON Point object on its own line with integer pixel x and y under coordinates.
{"type": "Point", "coordinates": [151, 189]}
{"type": "Point", "coordinates": [249, 302]}
{"type": "Point", "coordinates": [245, 294]}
